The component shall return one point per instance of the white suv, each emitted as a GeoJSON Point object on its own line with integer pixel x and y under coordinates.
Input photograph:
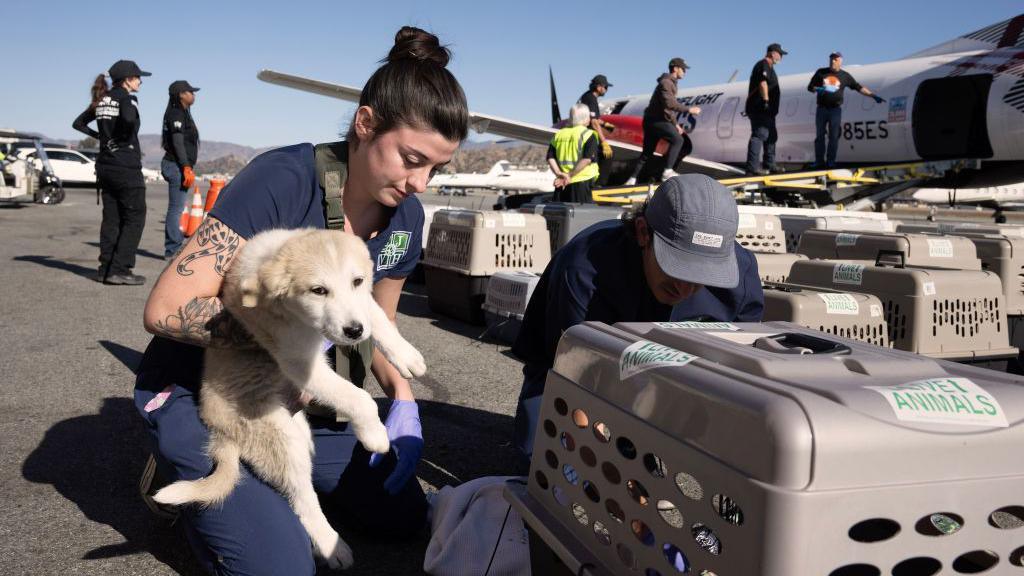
{"type": "Point", "coordinates": [71, 166]}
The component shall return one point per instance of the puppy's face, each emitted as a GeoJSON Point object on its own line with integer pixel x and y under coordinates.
{"type": "Point", "coordinates": [324, 279]}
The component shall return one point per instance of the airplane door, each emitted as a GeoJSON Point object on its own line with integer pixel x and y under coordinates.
{"type": "Point", "coordinates": [949, 117]}
{"type": "Point", "coordinates": [725, 118]}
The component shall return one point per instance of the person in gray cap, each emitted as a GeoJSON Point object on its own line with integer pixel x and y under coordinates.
{"type": "Point", "coordinates": [118, 171]}
{"type": "Point", "coordinates": [677, 250]}
{"type": "Point", "coordinates": [180, 141]}
{"type": "Point", "coordinates": [762, 107]}
{"type": "Point", "coordinates": [661, 121]}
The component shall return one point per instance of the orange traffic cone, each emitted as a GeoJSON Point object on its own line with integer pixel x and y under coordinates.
{"type": "Point", "coordinates": [212, 193]}
{"type": "Point", "coordinates": [183, 220]}
{"type": "Point", "coordinates": [195, 216]}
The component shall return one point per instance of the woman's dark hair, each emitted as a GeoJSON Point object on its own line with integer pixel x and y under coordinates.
{"type": "Point", "coordinates": [98, 90]}
{"type": "Point", "coordinates": [413, 88]}
{"type": "Point", "coordinates": [174, 101]}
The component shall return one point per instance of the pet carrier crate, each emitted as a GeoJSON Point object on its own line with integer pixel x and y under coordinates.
{"type": "Point", "coordinates": [918, 250]}
{"type": "Point", "coordinates": [961, 228]}
{"type": "Point", "coordinates": [761, 233]}
{"type": "Point", "coordinates": [796, 225]}
{"type": "Point", "coordinates": [775, 267]}
{"type": "Point", "coordinates": [952, 314]}
{"type": "Point", "coordinates": [844, 314]}
{"type": "Point", "coordinates": [770, 450]}
{"type": "Point", "coordinates": [466, 247]}
{"type": "Point", "coordinates": [508, 294]}
{"type": "Point", "coordinates": [565, 219]}
{"type": "Point", "coordinates": [979, 215]}
{"type": "Point", "coordinates": [915, 213]}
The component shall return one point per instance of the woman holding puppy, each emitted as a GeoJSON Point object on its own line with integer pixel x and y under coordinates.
{"type": "Point", "coordinates": [412, 116]}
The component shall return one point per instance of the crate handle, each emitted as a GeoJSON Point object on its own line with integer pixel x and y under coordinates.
{"type": "Point", "coordinates": [894, 258]}
{"type": "Point", "coordinates": [795, 343]}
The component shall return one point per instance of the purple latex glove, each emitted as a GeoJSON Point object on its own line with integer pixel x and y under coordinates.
{"type": "Point", "coordinates": [406, 435]}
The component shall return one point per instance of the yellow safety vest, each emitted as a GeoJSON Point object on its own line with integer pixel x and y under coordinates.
{"type": "Point", "coordinates": [568, 143]}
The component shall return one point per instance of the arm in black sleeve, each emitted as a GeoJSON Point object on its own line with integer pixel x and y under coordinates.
{"type": "Point", "coordinates": [178, 140]}
{"type": "Point", "coordinates": [852, 83]}
{"type": "Point", "coordinates": [82, 123]}
{"type": "Point", "coordinates": [816, 81]}
{"type": "Point", "coordinates": [551, 152]}
{"type": "Point", "coordinates": [591, 148]}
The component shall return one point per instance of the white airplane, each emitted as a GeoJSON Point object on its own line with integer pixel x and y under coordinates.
{"type": "Point", "coordinates": [962, 99]}
{"type": "Point", "coordinates": [501, 176]}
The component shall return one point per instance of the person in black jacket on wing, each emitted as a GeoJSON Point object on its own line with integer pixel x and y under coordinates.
{"type": "Point", "coordinates": [180, 141]}
{"type": "Point", "coordinates": [118, 171]}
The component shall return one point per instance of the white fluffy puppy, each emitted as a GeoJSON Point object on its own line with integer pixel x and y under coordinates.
{"type": "Point", "coordinates": [291, 289]}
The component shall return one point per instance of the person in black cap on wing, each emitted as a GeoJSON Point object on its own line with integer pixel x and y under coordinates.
{"type": "Point", "coordinates": [180, 140]}
{"type": "Point", "coordinates": [598, 87]}
{"type": "Point", "coordinates": [118, 171]}
{"type": "Point", "coordinates": [762, 107]}
{"type": "Point", "coordinates": [661, 121]}
{"type": "Point", "coordinates": [830, 82]}
{"type": "Point", "coordinates": [676, 249]}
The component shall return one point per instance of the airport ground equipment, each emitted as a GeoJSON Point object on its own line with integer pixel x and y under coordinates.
{"type": "Point", "coordinates": [775, 267]}
{"type": "Point", "coordinates": [508, 294]}
{"type": "Point", "coordinates": [467, 247]}
{"type": "Point", "coordinates": [770, 450]}
{"type": "Point", "coordinates": [892, 248]}
{"type": "Point", "coordinates": [761, 233]}
{"type": "Point", "coordinates": [795, 225]}
{"type": "Point", "coordinates": [950, 314]}
{"type": "Point", "coordinates": [565, 219]}
{"type": "Point", "coordinates": [844, 314]}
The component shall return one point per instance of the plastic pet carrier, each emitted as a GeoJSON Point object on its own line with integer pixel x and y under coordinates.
{"type": "Point", "coordinates": [918, 250]}
{"type": "Point", "coordinates": [761, 233]}
{"type": "Point", "coordinates": [775, 267]}
{"type": "Point", "coordinates": [565, 219]}
{"type": "Point", "coordinates": [796, 225]}
{"type": "Point", "coordinates": [844, 314]}
{"type": "Point", "coordinates": [508, 294]}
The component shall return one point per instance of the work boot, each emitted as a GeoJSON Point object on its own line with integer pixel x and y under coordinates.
{"type": "Point", "coordinates": [757, 172]}
{"type": "Point", "coordinates": [668, 173]}
{"type": "Point", "coordinates": [775, 169]}
{"type": "Point", "coordinates": [631, 181]}
{"type": "Point", "coordinates": [101, 274]}
{"type": "Point", "coordinates": [125, 279]}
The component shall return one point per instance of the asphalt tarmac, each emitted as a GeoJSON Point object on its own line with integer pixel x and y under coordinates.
{"type": "Point", "coordinates": [74, 446]}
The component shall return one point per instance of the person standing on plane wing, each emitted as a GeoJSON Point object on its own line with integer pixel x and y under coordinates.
{"type": "Point", "coordinates": [180, 140]}
{"type": "Point", "coordinates": [572, 156]}
{"type": "Point", "coordinates": [598, 87]}
{"type": "Point", "coordinates": [661, 121]}
{"type": "Point", "coordinates": [635, 270]}
{"type": "Point", "coordinates": [118, 170]}
{"type": "Point", "coordinates": [830, 82]}
{"type": "Point", "coordinates": [762, 107]}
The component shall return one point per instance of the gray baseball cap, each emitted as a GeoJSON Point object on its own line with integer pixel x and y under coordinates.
{"type": "Point", "coordinates": [694, 220]}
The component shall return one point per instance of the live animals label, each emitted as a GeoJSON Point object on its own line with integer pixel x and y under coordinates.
{"type": "Point", "coordinates": [940, 248]}
{"type": "Point", "coordinates": [848, 274]}
{"type": "Point", "coordinates": [645, 355]}
{"type": "Point", "coordinates": [840, 304]}
{"type": "Point", "coordinates": [944, 401]}
{"type": "Point", "coordinates": [846, 239]}
{"type": "Point", "coordinates": [692, 325]}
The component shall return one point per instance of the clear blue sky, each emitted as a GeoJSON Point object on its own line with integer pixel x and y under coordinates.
{"type": "Point", "coordinates": [502, 51]}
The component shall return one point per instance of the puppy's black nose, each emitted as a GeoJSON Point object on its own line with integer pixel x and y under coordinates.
{"type": "Point", "coordinates": [353, 330]}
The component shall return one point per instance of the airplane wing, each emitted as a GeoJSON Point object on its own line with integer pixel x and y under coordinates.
{"type": "Point", "coordinates": [481, 123]}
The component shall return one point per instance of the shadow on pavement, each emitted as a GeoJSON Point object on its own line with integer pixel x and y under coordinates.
{"type": "Point", "coordinates": [95, 462]}
{"type": "Point", "coordinates": [128, 356]}
{"type": "Point", "coordinates": [414, 303]}
{"type": "Point", "coordinates": [139, 251]}
{"type": "Point", "coordinates": [51, 262]}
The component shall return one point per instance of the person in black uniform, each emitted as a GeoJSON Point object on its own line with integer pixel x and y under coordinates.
{"type": "Point", "coordinates": [762, 107]}
{"type": "Point", "coordinates": [599, 87]}
{"type": "Point", "coordinates": [830, 82]}
{"type": "Point", "coordinates": [180, 140]}
{"type": "Point", "coordinates": [118, 172]}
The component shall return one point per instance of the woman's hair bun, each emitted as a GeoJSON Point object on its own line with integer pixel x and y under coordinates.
{"type": "Point", "coordinates": [412, 43]}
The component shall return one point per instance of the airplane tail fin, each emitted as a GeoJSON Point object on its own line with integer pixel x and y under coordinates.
{"type": "Point", "coordinates": [499, 167]}
{"type": "Point", "coordinates": [1006, 34]}
{"type": "Point", "coordinates": [556, 116]}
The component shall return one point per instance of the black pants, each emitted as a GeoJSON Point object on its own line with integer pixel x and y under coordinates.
{"type": "Point", "coordinates": [828, 120]}
{"type": "Point", "coordinates": [124, 216]}
{"type": "Point", "coordinates": [762, 136]}
{"type": "Point", "coordinates": [579, 192]}
{"type": "Point", "coordinates": [654, 132]}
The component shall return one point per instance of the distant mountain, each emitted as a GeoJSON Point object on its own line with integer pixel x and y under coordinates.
{"type": "Point", "coordinates": [209, 150]}
{"type": "Point", "coordinates": [480, 156]}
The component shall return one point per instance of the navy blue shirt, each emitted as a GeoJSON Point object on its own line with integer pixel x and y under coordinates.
{"type": "Point", "coordinates": [279, 189]}
{"type": "Point", "coordinates": [599, 276]}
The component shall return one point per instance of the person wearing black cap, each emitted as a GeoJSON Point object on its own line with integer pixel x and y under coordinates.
{"type": "Point", "coordinates": [677, 250]}
{"type": "Point", "coordinates": [599, 86]}
{"type": "Point", "coordinates": [118, 171]}
{"type": "Point", "coordinates": [830, 82]}
{"type": "Point", "coordinates": [180, 140]}
{"type": "Point", "coordinates": [661, 121]}
{"type": "Point", "coordinates": [762, 107]}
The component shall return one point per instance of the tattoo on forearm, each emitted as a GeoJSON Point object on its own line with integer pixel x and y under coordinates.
{"type": "Point", "coordinates": [215, 239]}
{"type": "Point", "coordinates": [205, 322]}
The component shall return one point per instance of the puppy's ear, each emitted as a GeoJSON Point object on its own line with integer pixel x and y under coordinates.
{"type": "Point", "coordinates": [274, 277]}
{"type": "Point", "coordinates": [249, 288]}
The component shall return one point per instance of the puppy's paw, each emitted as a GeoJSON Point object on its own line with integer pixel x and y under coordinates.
{"type": "Point", "coordinates": [373, 436]}
{"type": "Point", "coordinates": [407, 360]}
{"type": "Point", "coordinates": [339, 555]}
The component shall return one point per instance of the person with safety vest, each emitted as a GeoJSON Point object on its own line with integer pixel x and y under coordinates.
{"type": "Point", "coordinates": [572, 156]}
